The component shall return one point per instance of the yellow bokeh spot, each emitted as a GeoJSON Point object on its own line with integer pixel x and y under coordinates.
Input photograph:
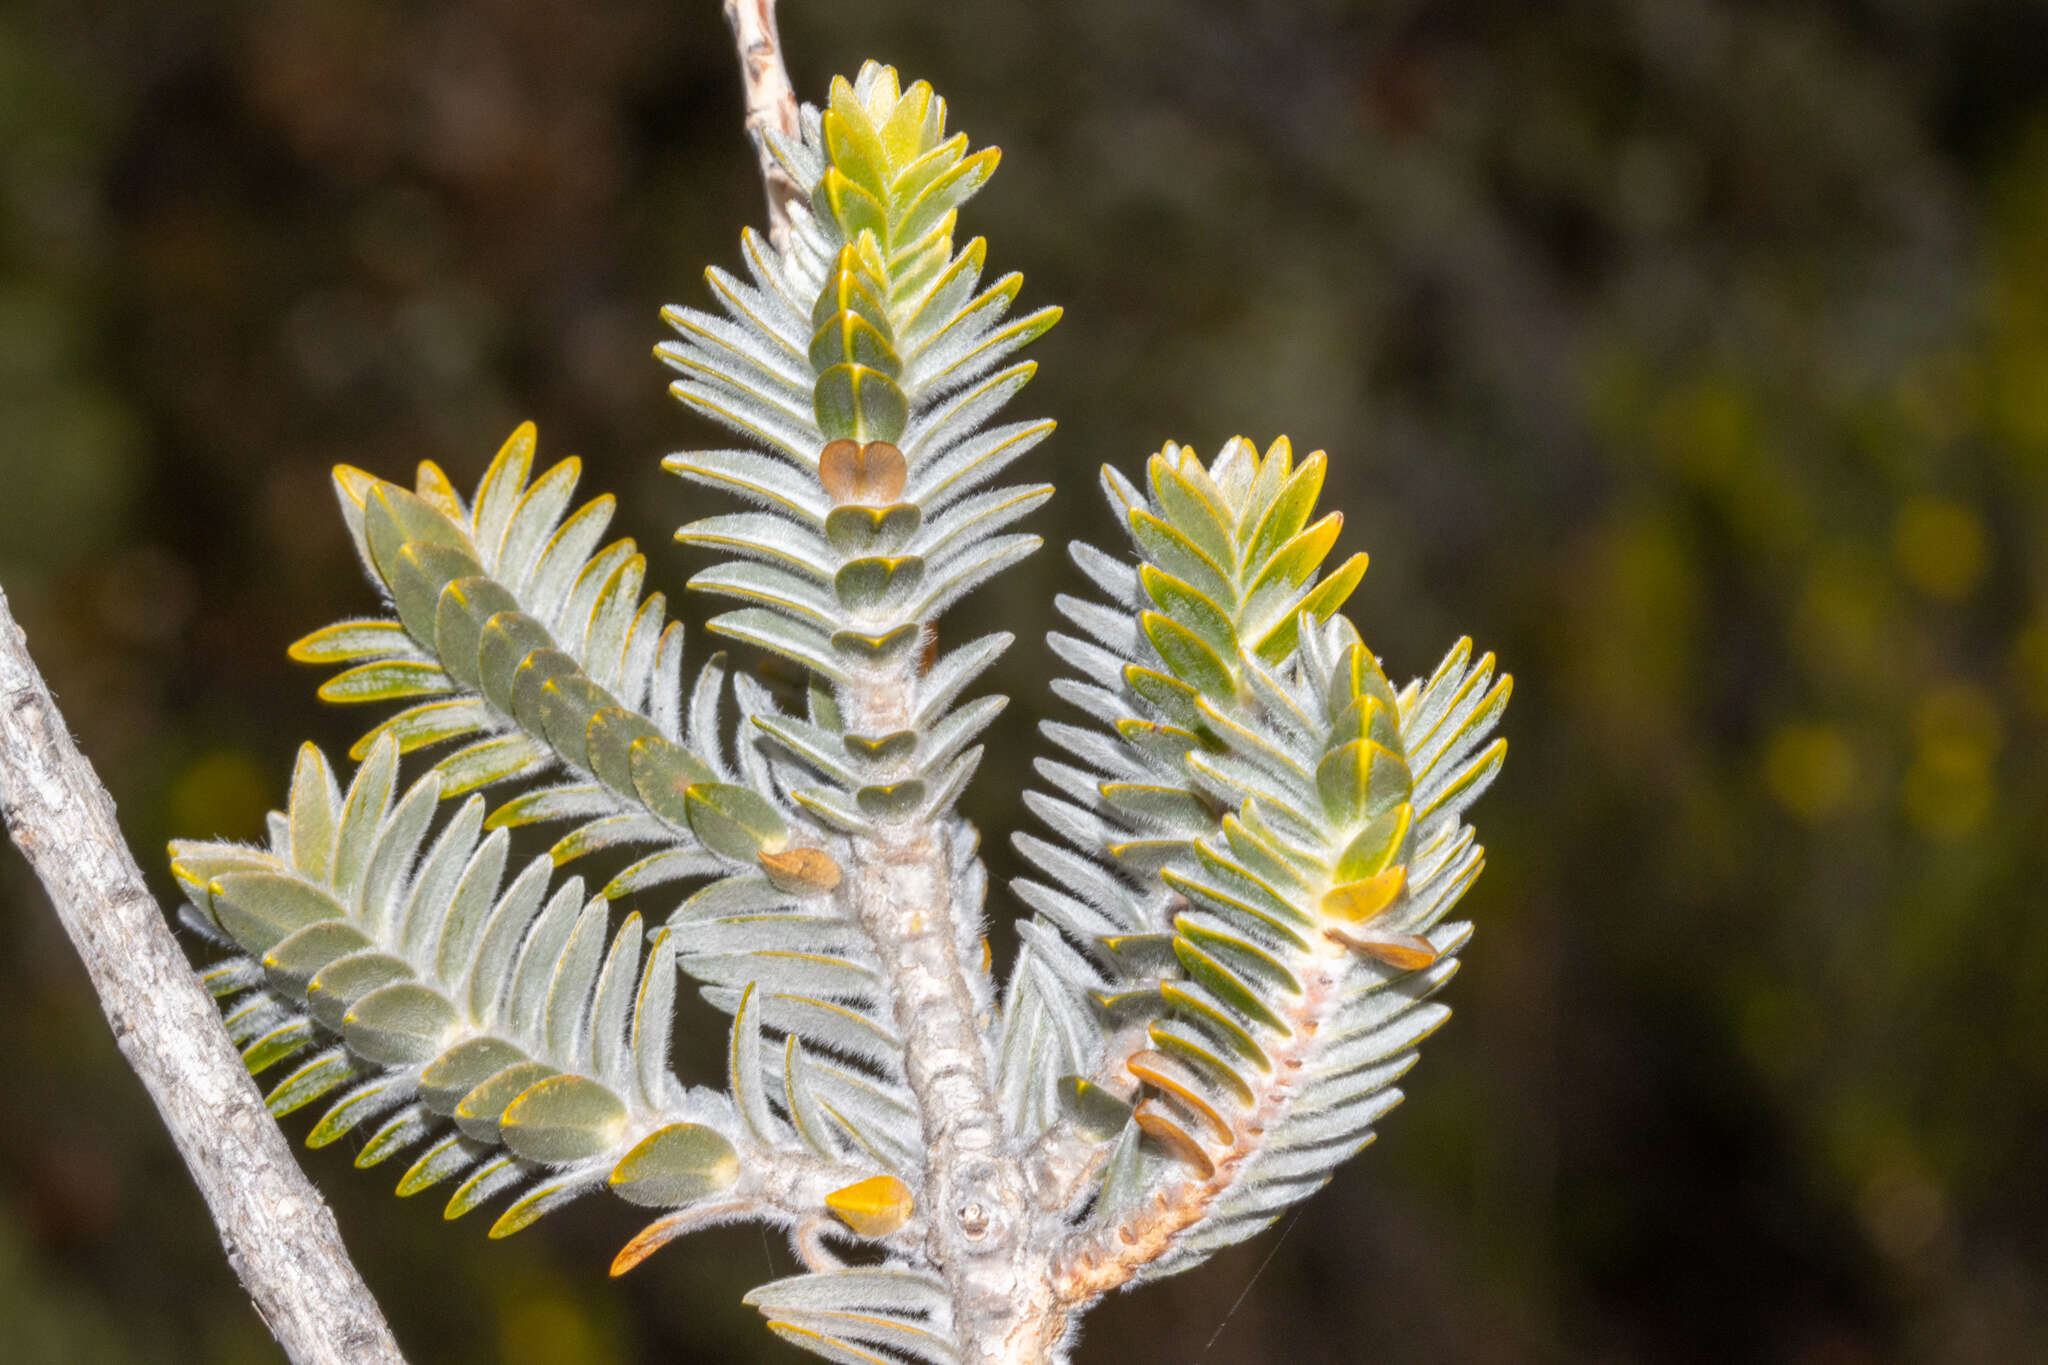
{"type": "Point", "coordinates": [2030, 667]}
{"type": "Point", "coordinates": [1940, 545]}
{"type": "Point", "coordinates": [1956, 725]}
{"type": "Point", "coordinates": [1846, 618]}
{"type": "Point", "coordinates": [1944, 805]}
{"type": "Point", "coordinates": [221, 794]}
{"type": "Point", "coordinates": [1707, 428]}
{"type": "Point", "coordinates": [1948, 789]}
{"type": "Point", "coordinates": [548, 1327]}
{"type": "Point", "coordinates": [2020, 394]}
{"type": "Point", "coordinates": [1809, 769]}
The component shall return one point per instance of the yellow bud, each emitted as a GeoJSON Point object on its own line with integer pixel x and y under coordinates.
{"type": "Point", "coordinates": [874, 1207]}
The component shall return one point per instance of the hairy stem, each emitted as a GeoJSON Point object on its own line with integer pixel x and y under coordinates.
{"type": "Point", "coordinates": [1090, 1265]}
{"type": "Point", "coordinates": [771, 103]}
{"type": "Point", "coordinates": [975, 1199]}
{"type": "Point", "coordinates": [280, 1237]}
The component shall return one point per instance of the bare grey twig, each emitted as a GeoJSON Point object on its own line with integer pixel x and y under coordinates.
{"type": "Point", "coordinates": [771, 103]}
{"type": "Point", "coordinates": [280, 1237]}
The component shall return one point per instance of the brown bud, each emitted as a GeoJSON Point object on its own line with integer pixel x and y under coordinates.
{"type": "Point", "coordinates": [801, 871]}
{"type": "Point", "coordinates": [873, 474]}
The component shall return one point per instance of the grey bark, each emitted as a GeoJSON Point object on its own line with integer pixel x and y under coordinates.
{"type": "Point", "coordinates": [280, 1237]}
{"type": "Point", "coordinates": [771, 103]}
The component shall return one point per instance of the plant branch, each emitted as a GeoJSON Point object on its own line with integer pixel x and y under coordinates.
{"type": "Point", "coordinates": [280, 1237]}
{"type": "Point", "coordinates": [771, 103]}
{"type": "Point", "coordinates": [983, 1228]}
{"type": "Point", "coordinates": [1092, 1264]}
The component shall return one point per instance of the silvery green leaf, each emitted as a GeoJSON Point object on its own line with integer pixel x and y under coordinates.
{"type": "Point", "coordinates": [676, 1165]}
{"type": "Point", "coordinates": [653, 1007]}
{"type": "Point", "coordinates": [947, 784]}
{"type": "Point", "coordinates": [851, 1030]}
{"type": "Point", "coordinates": [764, 421]}
{"type": "Point", "coordinates": [614, 831]}
{"type": "Point", "coordinates": [526, 996]}
{"type": "Point", "coordinates": [954, 672]}
{"type": "Point", "coordinates": [933, 435]}
{"type": "Point", "coordinates": [779, 931]}
{"type": "Point", "coordinates": [434, 883]}
{"type": "Point", "coordinates": [563, 1119]}
{"type": "Point", "coordinates": [665, 689]}
{"type": "Point", "coordinates": [784, 972]}
{"type": "Point", "coordinates": [821, 751]}
{"type": "Point", "coordinates": [561, 567]}
{"type": "Point", "coordinates": [805, 1114]}
{"type": "Point", "coordinates": [770, 586]}
{"type": "Point", "coordinates": [490, 1178]}
{"type": "Point", "coordinates": [408, 1126]}
{"type": "Point", "coordinates": [978, 517]}
{"type": "Point", "coordinates": [778, 540]}
{"type": "Point", "coordinates": [491, 761]}
{"type": "Point", "coordinates": [876, 1117]}
{"type": "Point", "coordinates": [959, 728]}
{"type": "Point", "coordinates": [963, 352]}
{"type": "Point", "coordinates": [565, 1021]}
{"type": "Point", "coordinates": [374, 1097]}
{"type": "Point", "coordinates": [396, 845]}
{"type": "Point", "coordinates": [658, 869]}
{"type": "Point", "coordinates": [703, 733]}
{"type": "Point", "coordinates": [835, 810]}
{"type": "Point", "coordinates": [949, 581]}
{"type": "Point", "coordinates": [490, 967]}
{"type": "Point", "coordinates": [770, 483]}
{"type": "Point", "coordinates": [971, 461]}
{"type": "Point", "coordinates": [543, 1197]}
{"type": "Point", "coordinates": [743, 1071]}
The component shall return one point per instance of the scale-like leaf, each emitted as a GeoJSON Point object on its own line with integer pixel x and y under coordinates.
{"type": "Point", "coordinates": [457, 997]}
{"type": "Point", "coordinates": [1260, 796]}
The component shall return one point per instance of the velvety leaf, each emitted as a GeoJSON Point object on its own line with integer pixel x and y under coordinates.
{"type": "Point", "coordinates": [340, 984]}
{"type": "Point", "coordinates": [676, 1165]}
{"type": "Point", "coordinates": [259, 909]}
{"type": "Point", "coordinates": [478, 1113]}
{"type": "Point", "coordinates": [296, 959]}
{"type": "Point", "coordinates": [1192, 660]}
{"type": "Point", "coordinates": [859, 403]}
{"type": "Point", "coordinates": [399, 1025]}
{"type": "Point", "coordinates": [733, 821]}
{"type": "Point", "coordinates": [1094, 1109]}
{"type": "Point", "coordinates": [878, 583]}
{"type": "Point", "coordinates": [463, 1068]}
{"type": "Point", "coordinates": [562, 1119]}
{"type": "Point", "coordinates": [465, 606]}
{"type": "Point", "coordinates": [506, 641]}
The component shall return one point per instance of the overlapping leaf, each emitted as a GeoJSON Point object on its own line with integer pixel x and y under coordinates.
{"type": "Point", "coordinates": [480, 1022]}
{"type": "Point", "coordinates": [867, 362]}
{"type": "Point", "coordinates": [1241, 921]}
{"type": "Point", "coordinates": [533, 648]}
{"type": "Point", "coordinates": [864, 1315]}
{"type": "Point", "coordinates": [1257, 849]}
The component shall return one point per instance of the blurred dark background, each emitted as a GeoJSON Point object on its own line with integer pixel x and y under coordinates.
{"type": "Point", "coordinates": [1693, 356]}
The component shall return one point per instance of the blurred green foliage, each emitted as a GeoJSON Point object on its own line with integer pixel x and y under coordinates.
{"type": "Point", "coordinates": [1694, 356]}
